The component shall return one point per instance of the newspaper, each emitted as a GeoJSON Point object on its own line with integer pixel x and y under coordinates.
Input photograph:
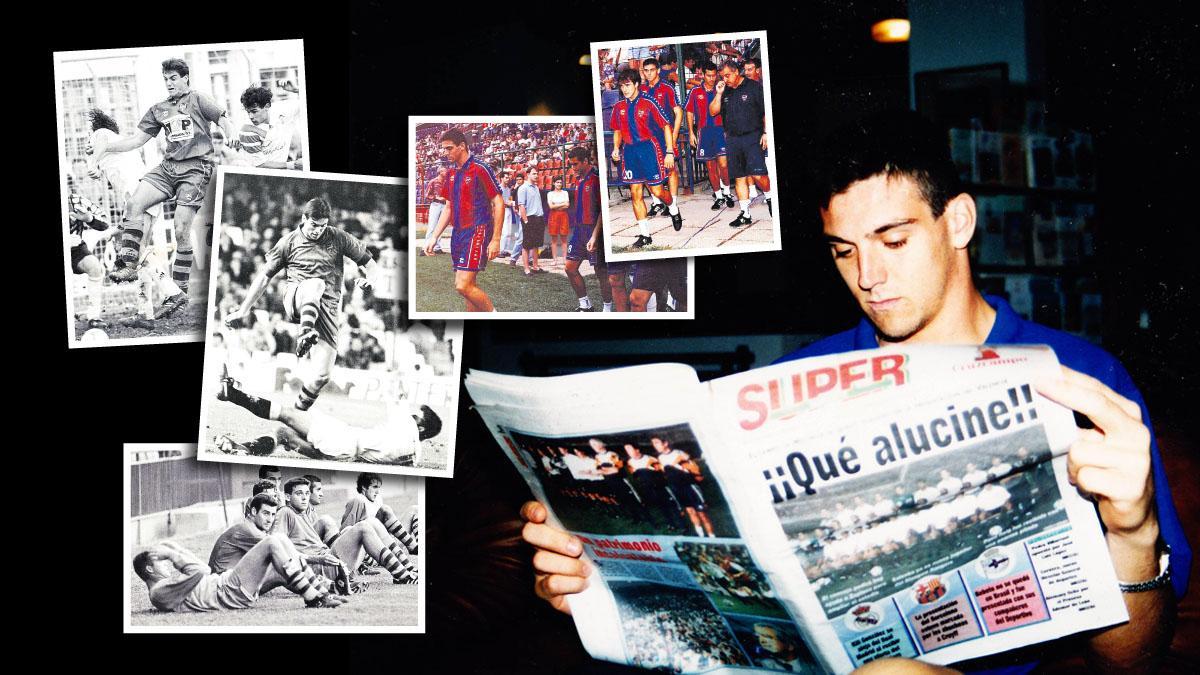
{"type": "Point", "coordinates": [814, 515]}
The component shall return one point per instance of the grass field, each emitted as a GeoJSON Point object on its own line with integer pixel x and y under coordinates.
{"type": "Point", "coordinates": [227, 418]}
{"type": "Point", "coordinates": [383, 604]}
{"type": "Point", "coordinates": [507, 286]}
{"type": "Point", "coordinates": [187, 321]}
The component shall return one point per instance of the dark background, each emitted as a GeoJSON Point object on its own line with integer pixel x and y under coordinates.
{"type": "Point", "coordinates": [1127, 76]}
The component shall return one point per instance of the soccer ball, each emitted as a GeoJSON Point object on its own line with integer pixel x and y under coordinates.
{"type": "Point", "coordinates": [251, 138]}
{"type": "Point", "coordinates": [93, 336]}
{"type": "Point", "coordinates": [81, 204]}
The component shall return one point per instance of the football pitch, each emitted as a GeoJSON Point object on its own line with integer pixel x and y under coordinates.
{"type": "Point", "coordinates": [507, 286]}
{"type": "Point", "coordinates": [225, 418]}
{"type": "Point", "coordinates": [189, 320]}
{"type": "Point", "coordinates": [383, 603]}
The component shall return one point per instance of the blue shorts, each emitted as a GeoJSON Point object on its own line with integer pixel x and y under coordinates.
{"type": "Point", "coordinates": [642, 162]}
{"type": "Point", "coordinates": [468, 247]}
{"type": "Point", "coordinates": [746, 156]}
{"type": "Point", "coordinates": [577, 246]}
{"type": "Point", "coordinates": [712, 143]}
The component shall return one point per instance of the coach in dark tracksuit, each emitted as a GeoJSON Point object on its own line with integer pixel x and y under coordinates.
{"type": "Point", "coordinates": [739, 101]}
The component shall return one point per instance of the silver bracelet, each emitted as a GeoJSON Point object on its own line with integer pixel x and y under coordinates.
{"type": "Point", "coordinates": [1163, 578]}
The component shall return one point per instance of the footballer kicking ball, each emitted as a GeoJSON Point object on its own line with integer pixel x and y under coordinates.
{"type": "Point", "coordinates": [93, 336]}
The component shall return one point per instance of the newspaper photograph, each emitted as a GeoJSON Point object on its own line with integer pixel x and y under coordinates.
{"type": "Point", "coordinates": [896, 502]}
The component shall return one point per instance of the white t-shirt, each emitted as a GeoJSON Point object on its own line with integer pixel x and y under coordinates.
{"type": "Point", "coordinates": [556, 198]}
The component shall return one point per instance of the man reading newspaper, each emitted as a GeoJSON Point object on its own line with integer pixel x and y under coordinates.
{"type": "Point", "coordinates": [898, 227]}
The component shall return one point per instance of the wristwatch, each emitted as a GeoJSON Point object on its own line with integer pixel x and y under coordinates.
{"type": "Point", "coordinates": [1163, 578]}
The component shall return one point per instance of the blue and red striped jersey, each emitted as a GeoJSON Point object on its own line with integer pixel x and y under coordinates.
{"type": "Point", "coordinates": [642, 110]}
{"type": "Point", "coordinates": [469, 190]}
{"type": "Point", "coordinates": [664, 95]}
{"type": "Point", "coordinates": [697, 104]}
{"type": "Point", "coordinates": [587, 199]}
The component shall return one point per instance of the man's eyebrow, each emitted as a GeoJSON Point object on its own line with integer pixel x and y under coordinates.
{"type": "Point", "coordinates": [833, 239]}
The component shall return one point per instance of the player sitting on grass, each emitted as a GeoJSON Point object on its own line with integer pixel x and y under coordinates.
{"type": "Point", "coordinates": [312, 256]}
{"type": "Point", "coordinates": [325, 526]}
{"type": "Point", "coordinates": [236, 541]}
{"type": "Point", "coordinates": [367, 503]}
{"type": "Point", "coordinates": [319, 436]}
{"type": "Point", "coordinates": [346, 550]}
{"type": "Point", "coordinates": [178, 581]}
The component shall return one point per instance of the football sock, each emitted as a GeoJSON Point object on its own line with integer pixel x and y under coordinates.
{"type": "Point", "coordinates": [643, 228]}
{"type": "Point", "coordinates": [414, 523]}
{"type": "Point", "coordinates": [132, 230]}
{"type": "Point", "coordinates": [395, 560]}
{"type": "Point", "coordinates": [181, 269]}
{"type": "Point", "coordinates": [585, 302]}
{"type": "Point", "coordinates": [745, 204]}
{"type": "Point", "coordinates": [655, 200]}
{"type": "Point", "coordinates": [307, 397]}
{"type": "Point", "coordinates": [767, 194]}
{"type": "Point", "coordinates": [95, 295]}
{"type": "Point", "coordinates": [257, 405]}
{"type": "Point", "coordinates": [308, 316]}
{"type": "Point", "coordinates": [302, 581]}
{"type": "Point", "coordinates": [673, 209]}
{"type": "Point", "coordinates": [396, 528]}
{"type": "Point", "coordinates": [753, 191]}
{"type": "Point", "coordinates": [608, 306]}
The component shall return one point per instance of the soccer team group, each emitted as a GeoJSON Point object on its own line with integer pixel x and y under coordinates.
{"type": "Point", "coordinates": [282, 541]}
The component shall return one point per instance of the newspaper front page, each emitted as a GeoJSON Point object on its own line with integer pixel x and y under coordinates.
{"type": "Point", "coordinates": [814, 515]}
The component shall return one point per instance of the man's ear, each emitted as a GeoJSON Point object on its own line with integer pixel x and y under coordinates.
{"type": "Point", "coordinates": [960, 219]}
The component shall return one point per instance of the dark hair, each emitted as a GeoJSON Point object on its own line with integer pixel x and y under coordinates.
{"type": "Point", "coordinates": [732, 65]}
{"type": "Point", "coordinates": [455, 136]}
{"type": "Point", "coordinates": [256, 97]}
{"type": "Point", "coordinates": [264, 470]}
{"type": "Point", "coordinates": [891, 143]}
{"type": "Point", "coordinates": [140, 562]}
{"type": "Point", "coordinates": [580, 153]}
{"type": "Point", "coordinates": [100, 120]}
{"type": "Point", "coordinates": [650, 62]}
{"type": "Point", "coordinates": [316, 208]}
{"type": "Point", "coordinates": [431, 424]}
{"type": "Point", "coordinates": [262, 485]}
{"type": "Point", "coordinates": [261, 500]}
{"type": "Point", "coordinates": [709, 65]}
{"type": "Point", "coordinates": [178, 66]}
{"type": "Point", "coordinates": [312, 478]}
{"type": "Point", "coordinates": [628, 75]}
{"type": "Point", "coordinates": [294, 483]}
{"type": "Point", "coordinates": [756, 61]}
{"type": "Point", "coordinates": [365, 479]}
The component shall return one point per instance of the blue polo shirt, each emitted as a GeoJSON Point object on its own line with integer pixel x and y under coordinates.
{"type": "Point", "coordinates": [1077, 354]}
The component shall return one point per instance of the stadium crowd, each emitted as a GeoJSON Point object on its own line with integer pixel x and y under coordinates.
{"type": "Point", "coordinates": [689, 637]}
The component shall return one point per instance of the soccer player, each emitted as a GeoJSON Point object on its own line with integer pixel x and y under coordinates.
{"type": "Point", "coordinates": [898, 227]}
{"type": "Point", "coordinates": [271, 139]}
{"type": "Point", "coordinates": [320, 436]}
{"type": "Point", "coordinates": [183, 174]}
{"type": "Point", "coordinates": [585, 232]}
{"type": "Point", "coordinates": [710, 143]}
{"type": "Point", "coordinates": [122, 171]}
{"type": "Point", "coordinates": [682, 476]}
{"type": "Point", "coordinates": [312, 256]}
{"type": "Point", "coordinates": [743, 111]}
{"type": "Point", "coordinates": [366, 503]}
{"type": "Point", "coordinates": [664, 94]}
{"type": "Point", "coordinates": [325, 526]}
{"type": "Point", "coordinates": [178, 581]}
{"type": "Point", "coordinates": [346, 550]}
{"type": "Point", "coordinates": [643, 147]}
{"type": "Point", "coordinates": [476, 211]}
{"type": "Point", "coordinates": [235, 542]}
{"type": "Point", "coordinates": [83, 261]}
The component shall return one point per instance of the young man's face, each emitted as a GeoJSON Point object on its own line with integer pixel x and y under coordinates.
{"type": "Point", "coordinates": [177, 85]}
{"type": "Point", "coordinates": [893, 255]}
{"type": "Point", "coordinates": [710, 79]}
{"type": "Point", "coordinates": [650, 74]}
{"type": "Point", "coordinates": [629, 89]}
{"type": "Point", "coordinates": [531, 177]}
{"type": "Point", "coordinates": [161, 565]}
{"type": "Point", "coordinates": [633, 451]}
{"type": "Point", "coordinates": [299, 497]}
{"type": "Point", "coordinates": [275, 477]}
{"type": "Point", "coordinates": [768, 639]}
{"type": "Point", "coordinates": [454, 153]}
{"type": "Point", "coordinates": [258, 115]}
{"type": "Point", "coordinates": [372, 490]}
{"type": "Point", "coordinates": [312, 229]}
{"type": "Point", "coordinates": [264, 517]}
{"type": "Point", "coordinates": [580, 167]}
{"type": "Point", "coordinates": [751, 71]}
{"type": "Point", "coordinates": [315, 497]}
{"type": "Point", "coordinates": [660, 446]}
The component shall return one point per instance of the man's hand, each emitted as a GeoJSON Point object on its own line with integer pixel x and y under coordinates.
{"type": "Point", "coordinates": [493, 249]}
{"type": "Point", "coordinates": [616, 154]}
{"type": "Point", "coordinates": [669, 161]}
{"type": "Point", "coordinates": [720, 88]}
{"type": "Point", "coordinates": [557, 564]}
{"type": "Point", "coordinates": [236, 318]}
{"type": "Point", "coordinates": [763, 142]}
{"type": "Point", "coordinates": [1112, 461]}
{"type": "Point", "coordinates": [364, 282]}
{"type": "Point", "coordinates": [591, 245]}
{"type": "Point", "coordinates": [692, 140]}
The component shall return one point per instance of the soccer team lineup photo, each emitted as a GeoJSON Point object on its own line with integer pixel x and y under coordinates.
{"type": "Point", "coordinates": [890, 372]}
